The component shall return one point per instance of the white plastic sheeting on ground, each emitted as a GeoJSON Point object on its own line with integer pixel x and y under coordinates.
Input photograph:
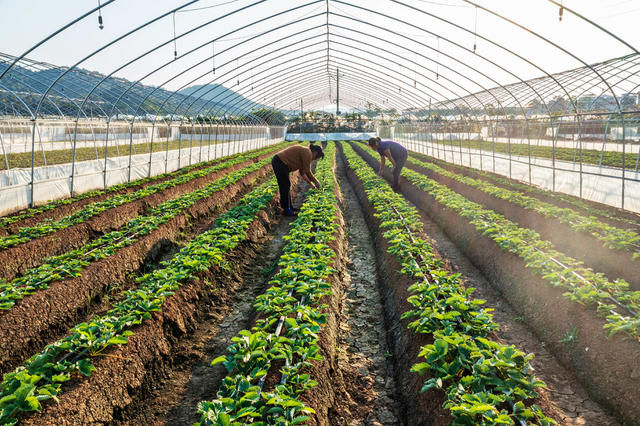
{"type": "Point", "coordinates": [328, 136]}
{"type": "Point", "coordinates": [88, 141]}
{"type": "Point", "coordinates": [600, 184]}
{"type": "Point", "coordinates": [54, 182]}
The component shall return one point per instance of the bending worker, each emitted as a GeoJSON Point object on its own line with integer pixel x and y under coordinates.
{"type": "Point", "coordinates": [395, 152]}
{"type": "Point", "coordinates": [290, 159]}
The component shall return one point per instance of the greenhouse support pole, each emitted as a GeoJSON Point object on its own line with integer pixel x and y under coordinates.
{"type": "Point", "coordinates": [179, 133]}
{"type": "Point", "coordinates": [623, 156]}
{"type": "Point", "coordinates": [554, 138]}
{"type": "Point", "coordinates": [73, 159]}
{"type": "Point", "coordinates": [209, 144]}
{"type": "Point", "coordinates": [215, 143]}
{"type": "Point", "coordinates": [33, 158]}
{"type": "Point", "coordinates": [580, 148]}
{"type": "Point", "coordinates": [106, 156]}
{"type": "Point", "coordinates": [509, 147]}
{"type": "Point", "coordinates": [130, 151]}
{"type": "Point", "coordinates": [469, 143]}
{"type": "Point", "coordinates": [4, 154]}
{"type": "Point", "coordinates": [604, 141]}
{"type": "Point", "coordinates": [166, 153]}
{"type": "Point", "coordinates": [528, 146]}
{"type": "Point", "coordinates": [493, 137]}
{"type": "Point", "coordinates": [191, 142]}
{"type": "Point", "coordinates": [460, 149]}
{"type": "Point", "coordinates": [481, 151]}
{"type": "Point", "coordinates": [202, 137]}
{"type": "Point", "coordinates": [150, 151]}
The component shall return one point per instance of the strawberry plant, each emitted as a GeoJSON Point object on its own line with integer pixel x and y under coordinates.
{"type": "Point", "coordinates": [6, 221]}
{"type": "Point", "coordinates": [485, 382]}
{"type": "Point", "coordinates": [71, 264]}
{"type": "Point", "coordinates": [42, 376]}
{"type": "Point", "coordinates": [610, 236]}
{"type": "Point", "coordinates": [518, 186]}
{"type": "Point", "coordinates": [49, 226]}
{"type": "Point", "coordinates": [291, 318]}
{"type": "Point", "coordinates": [612, 299]}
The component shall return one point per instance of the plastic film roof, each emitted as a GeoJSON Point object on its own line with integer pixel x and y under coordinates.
{"type": "Point", "coordinates": [408, 57]}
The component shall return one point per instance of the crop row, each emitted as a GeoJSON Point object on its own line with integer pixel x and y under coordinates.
{"type": "Point", "coordinates": [533, 190]}
{"type": "Point", "coordinates": [42, 376]}
{"type": "Point", "coordinates": [48, 226]}
{"type": "Point", "coordinates": [613, 299]}
{"type": "Point", "coordinates": [291, 319]}
{"type": "Point", "coordinates": [25, 214]}
{"type": "Point", "coordinates": [573, 155]}
{"type": "Point", "coordinates": [71, 264]}
{"type": "Point", "coordinates": [610, 236]}
{"type": "Point", "coordinates": [478, 375]}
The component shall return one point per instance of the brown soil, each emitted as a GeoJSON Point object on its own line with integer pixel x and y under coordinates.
{"type": "Point", "coordinates": [363, 356]}
{"type": "Point", "coordinates": [174, 396]}
{"type": "Point", "coordinates": [323, 397]}
{"type": "Point", "coordinates": [614, 221]}
{"type": "Point", "coordinates": [608, 368]}
{"type": "Point", "coordinates": [416, 408]}
{"type": "Point", "coordinates": [128, 372]}
{"type": "Point", "coordinates": [345, 394]}
{"type": "Point", "coordinates": [580, 245]}
{"type": "Point", "coordinates": [47, 315]}
{"type": "Point", "coordinates": [16, 260]}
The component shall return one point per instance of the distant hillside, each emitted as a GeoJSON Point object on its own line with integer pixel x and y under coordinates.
{"type": "Point", "coordinates": [22, 87]}
{"type": "Point", "coordinates": [221, 95]}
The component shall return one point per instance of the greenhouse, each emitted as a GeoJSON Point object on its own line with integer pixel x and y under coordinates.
{"type": "Point", "coordinates": [460, 245]}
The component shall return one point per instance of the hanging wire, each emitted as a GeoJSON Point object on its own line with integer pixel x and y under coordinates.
{"type": "Point", "coordinates": [175, 47]}
{"type": "Point", "coordinates": [560, 11]}
{"type": "Point", "coordinates": [237, 75]}
{"type": "Point", "coordinates": [475, 32]}
{"type": "Point", "coordinates": [100, 24]}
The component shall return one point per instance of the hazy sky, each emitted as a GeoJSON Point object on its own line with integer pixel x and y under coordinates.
{"type": "Point", "coordinates": [25, 22]}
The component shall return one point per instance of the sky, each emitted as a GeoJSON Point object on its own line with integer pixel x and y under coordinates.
{"type": "Point", "coordinates": [408, 59]}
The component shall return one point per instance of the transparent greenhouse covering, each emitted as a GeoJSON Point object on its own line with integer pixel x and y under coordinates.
{"type": "Point", "coordinates": [533, 71]}
{"type": "Point", "coordinates": [460, 55]}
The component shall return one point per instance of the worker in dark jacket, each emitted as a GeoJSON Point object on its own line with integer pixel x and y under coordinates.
{"type": "Point", "coordinates": [290, 159]}
{"type": "Point", "coordinates": [395, 152]}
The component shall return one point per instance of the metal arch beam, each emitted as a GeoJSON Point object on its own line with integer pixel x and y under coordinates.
{"type": "Point", "coordinates": [500, 46]}
{"type": "Point", "coordinates": [199, 97]}
{"type": "Point", "coordinates": [58, 92]}
{"type": "Point", "coordinates": [414, 52]}
{"type": "Point", "coordinates": [403, 83]}
{"type": "Point", "coordinates": [55, 33]}
{"type": "Point", "coordinates": [270, 78]}
{"type": "Point", "coordinates": [596, 25]}
{"type": "Point", "coordinates": [433, 34]}
{"type": "Point", "coordinates": [111, 43]}
{"type": "Point", "coordinates": [401, 74]}
{"type": "Point", "coordinates": [305, 75]}
{"type": "Point", "coordinates": [550, 43]}
{"type": "Point", "coordinates": [302, 65]}
{"type": "Point", "coordinates": [207, 43]}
